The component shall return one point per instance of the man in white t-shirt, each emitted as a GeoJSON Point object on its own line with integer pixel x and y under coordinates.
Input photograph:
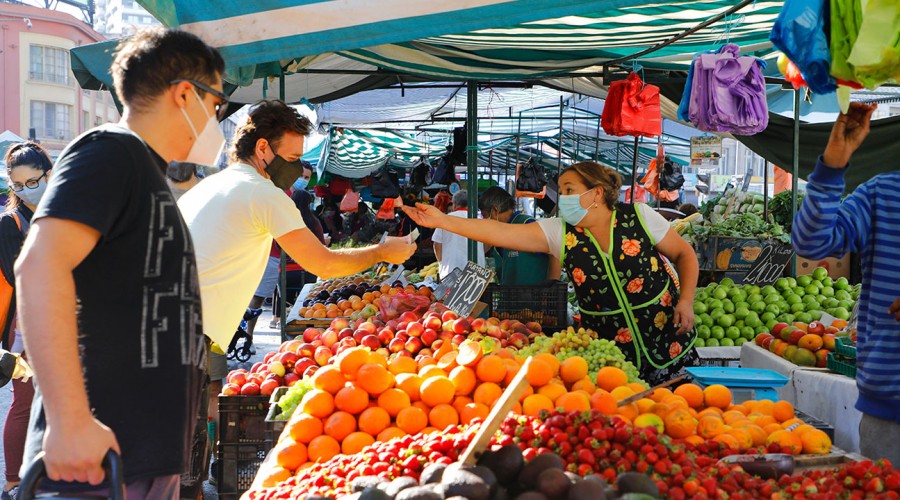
{"type": "Point", "coordinates": [451, 249]}
{"type": "Point", "coordinates": [233, 217]}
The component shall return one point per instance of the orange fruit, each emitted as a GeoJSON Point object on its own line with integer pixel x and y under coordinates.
{"type": "Point", "coordinates": [290, 454]}
{"type": "Point", "coordinates": [679, 423]}
{"type": "Point", "coordinates": [803, 429]}
{"type": "Point", "coordinates": [402, 364]}
{"type": "Point", "coordinates": [491, 369]}
{"type": "Point", "coordinates": [739, 407]}
{"type": "Point", "coordinates": [303, 428]}
{"type": "Point", "coordinates": [585, 384]}
{"type": "Point", "coordinates": [464, 380]}
{"type": "Point", "coordinates": [394, 400]}
{"type": "Point", "coordinates": [323, 448]}
{"type": "Point", "coordinates": [621, 392]}
{"type": "Point", "coordinates": [717, 395]}
{"type": "Point", "coordinates": [539, 373]}
{"type": "Point", "coordinates": [603, 402]}
{"type": "Point", "coordinates": [412, 420]}
{"type": "Point", "coordinates": [351, 359]}
{"type": "Point", "coordinates": [512, 369]}
{"type": "Point", "coordinates": [527, 391]}
{"type": "Point", "coordinates": [535, 404]}
{"type": "Point", "coordinates": [756, 433]}
{"type": "Point", "coordinates": [783, 411]}
{"type": "Point", "coordinates": [770, 428]}
{"type": "Point", "coordinates": [377, 359]}
{"type": "Point", "coordinates": [390, 433]}
{"type": "Point", "coordinates": [443, 415]}
{"type": "Point", "coordinates": [423, 361]}
{"type": "Point", "coordinates": [470, 353]}
{"type": "Point", "coordinates": [460, 402]}
{"type": "Point", "coordinates": [629, 412]}
{"type": "Point", "coordinates": [789, 442]}
{"type": "Point", "coordinates": [610, 377]}
{"type": "Point", "coordinates": [410, 384]}
{"type": "Point", "coordinates": [550, 359]}
{"type": "Point", "coordinates": [472, 411]}
{"type": "Point", "coordinates": [432, 371]}
{"type": "Point", "coordinates": [732, 416]}
{"type": "Point", "coordinates": [663, 409]}
{"type": "Point", "coordinates": [787, 424]}
{"type": "Point", "coordinates": [374, 378]}
{"type": "Point", "coordinates": [374, 420]}
{"type": "Point", "coordinates": [728, 440]}
{"type": "Point", "coordinates": [709, 427]}
{"type": "Point", "coordinates": [743, 436]}
{"type": "Point", "coordinates": [552, 391]}
{"type": "Point", "coordinates": [815, 442]}
{"type": "Point", "coordinates": [659, 394]}
{"type": "Point", "coordinates": [273, 476]}
{"type": "Point", "coordinates": [317, 403]}
{"type": "Point", "coordinates": [340, 424]}
{"type": "Point", "coordinates": [447, 361]}
{"type": "Point", "coordinates": [573, 369]}
{"type": "Point", "coordinates": [766, 407]}
{"type": "Point", "coordinates": [763, 420]}
{"type": "Point", "coordinates": [573, 401]}
{"type": "Point", "coordinates": [329, 379]}
{"type": "Point", "coordinates": [355, 442]}
{"type": "Point", "coordinates": [487, 393]}
{"type": "Point", "coordinates": [437, 390]}
{"type": "Point", "coordinates": [419, 404]}
{"type": "Point", "coordinates": [637, 387]}
{"type": "Point", "coordinates": [351, 399]}
{"type": "Point", "coordinates": [694, 440]}
{"type": "Point", "coordinates": [691, 393]}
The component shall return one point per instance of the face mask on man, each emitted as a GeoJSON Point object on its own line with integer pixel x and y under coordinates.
{"type": "Point", "coordinates": [570, 208]}
{"type": "Point", "coordinates": [283, 173]}
{"type": "Point", "coordinates": [209, 141]}
{"type": "Point", "coordinates": [33, 196]}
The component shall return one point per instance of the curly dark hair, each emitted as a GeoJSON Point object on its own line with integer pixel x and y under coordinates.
{"type": "Point", "coordinates": [25, 154]}
{"type": "Point", "coordinates": [147, 62]}
{"type": "Point", "coordinates": [496, 198]}
{"type": "Point", "coordinates": [594, 174]}
{"type": "Point", "coordinates": [268, 119]}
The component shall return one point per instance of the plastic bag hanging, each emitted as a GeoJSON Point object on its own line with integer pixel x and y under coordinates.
{"type": "Point", "coordinates": [874, 41]}
{"type": "Point", "coordinates": [530, 181]}
{"type": "Point", "coordinates": [685, 104]}
{"type": "Point", "coordinates": [799, 32]}
{"type": "Point", "coordinates": [632, 108]}
{"type": "Point", "coordinates": [385, 184]}
{"type": "Point", "coordinates": [350, 202]}
{"type": "Point", "coordinates": [729, 93]}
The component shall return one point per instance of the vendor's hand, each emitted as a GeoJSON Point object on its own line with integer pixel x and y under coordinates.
{"type": "Point", "coordinates": [424, 215]}
{"type": "Point", "coordinates": [848, 133]}
{"type": "Point", "coordinates": [74, 451]}
{"type": "Point", "coordinates": [396, 250]}
{"type": "Point", "coordinates": [684, 316]}
{"type": "Point", "coordinates": [894, 310]}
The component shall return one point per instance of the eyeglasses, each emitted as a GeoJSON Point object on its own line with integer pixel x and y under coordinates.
{"type": "Point", "coordinates": [221, 107]}
{"type": "Point", "coordinates": [30, 184]}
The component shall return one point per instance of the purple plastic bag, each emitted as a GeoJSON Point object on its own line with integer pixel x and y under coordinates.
{"type": "Point", "coordinates": [728, 93]}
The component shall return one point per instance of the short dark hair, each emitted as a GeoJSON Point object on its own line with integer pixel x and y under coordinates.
{"type": "Point", "coordinates": [267, 119]}
{"type": "Point", "coordinates": [147, 62]}
{"type": "Point", "coordinates": [496, 198]}
{"type": "Point", "coordinates": [25, 154]}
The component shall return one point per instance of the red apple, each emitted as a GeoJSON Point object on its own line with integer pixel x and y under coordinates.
{"type": "Point", "coordinates": [832, 330]}
{"type": "Point", "coordinates": [534, 327]}
{"type": "Point", "coordinates": [348, 342]}
{"type": "Point", "coordinates": [429, 336]}
{"type": "Point", "coordinates": [317, 343]}
{"type": "Point", "coordinates": [816, 328]}
{"type": "Point", "coordinates": [309, 372]}
{"type": "Point", "coordinates": [370, 341]}
{"type": "Point", "coordinates": [289, 359]}
{"type": "Point", "coordinates": [506, 324]}
{"type": "Point", "coordinates": [822, 358]}
{"type": "Point", "coordinates": [250, 389]}
{"type": "Point", "coordinates": [306, 350]}
{"type": "Point", "coordinates": [367, 326]}
{"type": "Point", "coordinates": [462, 326]}
{"type": "Point", "coordinates": [290, 345]}
{"type": "Point", "coordinates": [231, 389]}
{"type": "Point", "coordinates": [277, 368]}
{"type": "Point", "coordinates": [458, 339]}
{"type": "Point", "coordinates": [359, 334]}
{"type": "Point", "coordinates": [346, 332]}
{"type": "Point", "coordinates": [479, 325]}
{"type": "Point", "coordinates": [433, 322]}
{"type": "Point", "coordinates": [259, 365]}
{"type": "Point", "coordinates": [340, 323]}
{"type": "Point", "coordinates": [785, 332]}
{"type": "Point", "coordinates": [329, 338]}
{"type": "Point", "coordinates": [494, 331]}
{"type": "Point", "coordinates": [449, 316]}
{"type": "Point", "coordinates": [795, 336]}
{"type": "Point", "coordinates": [385, 336]}
{"type": "Point", "coordinates": [448, 325]}
{"type": "Point", "coordinates": [762, 337]}
{"type": "Point", "coordinates": [268, 387]}
{"type": "Point", "coordinates": [408, 316]}
{"type": "Point", "coordinates": [238, 378]}
{"type": "Point", "coordinates": [269, 355]}
{"type": "Point", "coordinates": [303, 364]}
{"type": "Point", "coordinates": [437, 344]}
{"type": "Point", "coordinates": [274, 377]}
{"type": "Point", "coordinates": [310, 334]}
{"type": "Point", "coordinates": [493, 321]}
{"type": "Point", "coordinates": [404, 353]}
{"type": "Point", "coordinates": [445, 335]}
{"type": "Point", "coordinates": [392, 324]}
{"type": "Point", "coordinates": [413, 345]}
{"type": "Point", "coordinates": [396, 345]}
{"type": "Point", "coordinates": [402, 335]}
{"type": "Point", "coordinates": [322, 355]}
{"type": "Point", "coordinates": [402, 325]}
{"type": "Point", "coordinates": [291, 378]}
{"type": "Point", "coordinates": [426, 352]}
{"type": "Point", "coordinates": [518, 340]}
{"type": "Point", "coordinates": [415, 329]}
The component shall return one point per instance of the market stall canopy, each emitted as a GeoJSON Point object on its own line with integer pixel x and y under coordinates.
{"type": "Point", "coordinates": [355, 153]}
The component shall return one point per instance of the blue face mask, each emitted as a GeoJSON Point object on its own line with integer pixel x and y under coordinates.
{"type": "Point", "coordinates": [300, 184]}
{"type": "Point", "coordinates": [570, 208]}
{"type": "Point", "coordinates": [33, 196]}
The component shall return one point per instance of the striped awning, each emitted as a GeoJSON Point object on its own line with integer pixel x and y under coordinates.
{"type": "Point", "coordinates": [356, 153]}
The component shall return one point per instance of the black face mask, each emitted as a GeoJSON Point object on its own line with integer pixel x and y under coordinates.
{"type": "Point", "coordinates": [284, 173]}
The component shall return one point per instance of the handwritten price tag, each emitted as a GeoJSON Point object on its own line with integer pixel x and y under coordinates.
{"type": "Point", "coordinates": [469, 289]}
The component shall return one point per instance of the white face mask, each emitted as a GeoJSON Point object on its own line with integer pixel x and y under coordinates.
{"type": "Point", "coordinates": [209, 141]}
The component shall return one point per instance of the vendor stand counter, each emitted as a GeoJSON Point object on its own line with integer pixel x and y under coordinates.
{"type": "Point", "coordinates": [825, 395]}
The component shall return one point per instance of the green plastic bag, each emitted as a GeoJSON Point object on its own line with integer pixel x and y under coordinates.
{"type": "Point", "coordinates": [865, 41]}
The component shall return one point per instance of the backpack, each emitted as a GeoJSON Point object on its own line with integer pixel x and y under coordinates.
{"type": "Point", "coordinates": [7, 292]}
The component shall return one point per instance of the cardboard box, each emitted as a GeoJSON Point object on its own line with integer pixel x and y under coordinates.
{"type": "Point", "coordinates": [837, 268]}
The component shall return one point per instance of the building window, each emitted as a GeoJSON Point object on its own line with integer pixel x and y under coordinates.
{"type": "Point", "coordinates": [85, 120]}
{"type": "Point", "coordinates": [50, 120]}
{"type": "Point", "coordinates": [49, 64]}
{"type": "Point", "coordinates": [128, 4]}
{"type": "Point", "coordinates": [98, 120]}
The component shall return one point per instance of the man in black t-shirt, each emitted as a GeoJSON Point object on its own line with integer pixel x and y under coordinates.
{"type": "Point", "coordinates": [107, 280]}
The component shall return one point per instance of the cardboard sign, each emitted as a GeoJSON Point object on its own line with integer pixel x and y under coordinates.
{"type": "Point", "coordinates": [769, 266]}
{"type": "Point", "coordinates": [469, 289]}
{"type": "Point", "coordinates": [397, 276]}
{"type": "Point", "coordinates": [447, 283]}
{"type": "Point", "coordinates": [706, 151]}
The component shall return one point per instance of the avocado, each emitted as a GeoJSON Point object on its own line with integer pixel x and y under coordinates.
{"type": "Point", "coordinates": [432, 474]}
{"type": "Point", "coordinates": [486, 475]}
{"type": "Point", "coordinates": [635, 482]}
{"type": "Point", "coordinates": [587, 490]}
{"type": "Point", "coordinates": [364, 482]}
{"type": "Point", "coordinates": [373, 494]}
{"type": "Point", "coordinates": [506, 463]}
{"type": "Point", "coordinates": [398, 485]}
{"type": "Point", "coordinates": [419, 493]}
{"type": "Point", "coordinates": [530, 472]}
{"type": "Point", "coordinates": [461, 481]}
{"type": "Point", "coordinates": [553, 483]}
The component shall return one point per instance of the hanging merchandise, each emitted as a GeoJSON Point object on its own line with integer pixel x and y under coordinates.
{"type": "Point", "coordinates": [632, 108]}
{"type": "Point", "coordinates": [458, 148]}
{"type": "Point", "coordinates": [867, 47]}
{"type": "Point", "coordinates": [530, 180]}
{"type": "Point", "coordinates": [445, 173]}
{"type": "Point", "coordinates": [386, 211]}
{"type": "Point", "coordinates": [385, 184]}
{"type": "Point", "coordinates": [799, 32]}
{"type": "Point", "coordinates": [640, 197]}
{"type": "Point", "coordinates": [671, 178]}
{"type": "Point", "coordinates": [729, 93]}
{"type": "Point", "coordinates": [442, 201]}
{"type": "Point", "coordinates": [350, 202]}
{"type": "Point", "coordinates": [685, 104]}
{"type": "Point", "coordinates": [650, 181]}
{"type": "Point", "coordinates": [422, 174]}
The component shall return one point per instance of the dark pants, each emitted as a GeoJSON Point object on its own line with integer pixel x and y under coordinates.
{"type": "Point", "coordinates": [16, 428]}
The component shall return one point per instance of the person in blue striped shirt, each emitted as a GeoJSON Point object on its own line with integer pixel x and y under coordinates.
{"type": "Point", "coordinates": [866, 222]}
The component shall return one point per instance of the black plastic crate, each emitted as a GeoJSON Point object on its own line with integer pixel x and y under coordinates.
{"type": "Point", "coordinates": [198, 468]}
{"type": "Point", "coordinates": [237, 468]}
{"type": "Point", "coordinates": [544, 304]}
{"type": "Point", "coordinates": [818, 424]}
{"type": "Point", "coordinates": [242, 419]}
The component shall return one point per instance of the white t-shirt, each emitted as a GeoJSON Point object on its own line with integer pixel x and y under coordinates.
{"type": "Point", "coordinates": [233, 217]}
{"type": "Point", "coordinates": [455, 248]}
{"type": "Point", "coordinates": [656, 224]}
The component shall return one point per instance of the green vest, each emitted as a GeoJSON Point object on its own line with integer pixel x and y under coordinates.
{"type": "Point", "coordinates": [520, 268]}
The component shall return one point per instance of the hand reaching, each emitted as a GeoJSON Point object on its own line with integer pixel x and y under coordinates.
{"type": "Point", "coordinates": [424, 215]}
{"type": "Point", "coordinates": [848, 133]}
{"type": "Point", "coordinates": [397, 250]}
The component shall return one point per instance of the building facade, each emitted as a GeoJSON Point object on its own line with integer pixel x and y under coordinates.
{"type": "Point", "coordinates": [115, 18]}
{"type": "Point", "coordinates": [39, 96]}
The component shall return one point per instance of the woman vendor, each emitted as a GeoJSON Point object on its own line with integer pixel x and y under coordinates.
{"type": "Point", "coordinates": [613, 254]}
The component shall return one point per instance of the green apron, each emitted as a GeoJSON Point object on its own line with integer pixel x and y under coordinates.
{"type": "Point", "coordinates": [520, 268]}
{"type": "Point", "coordinates": [628, 295]}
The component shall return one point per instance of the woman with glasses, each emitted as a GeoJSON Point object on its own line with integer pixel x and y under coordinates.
{"type": "Point", "coordinates": [28, 168]}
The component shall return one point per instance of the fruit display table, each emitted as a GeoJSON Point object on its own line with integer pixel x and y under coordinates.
{"type": "Point", "coordinates": [818, 392]}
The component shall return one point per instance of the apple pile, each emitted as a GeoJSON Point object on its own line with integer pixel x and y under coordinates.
{"type": "Point", "coordinates": [410, 335]}
{"type": "Point", "coordinates": [800, 343]}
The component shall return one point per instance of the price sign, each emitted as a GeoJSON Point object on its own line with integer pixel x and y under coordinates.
{"type": "Point", "coordinates": [397, 276]}
{"type": "Point", "coordinates": [469, 289]}
{"type": "Point", "coordinates": [769, 266]}
{"type": "Point", "coordinates": [447, 283]}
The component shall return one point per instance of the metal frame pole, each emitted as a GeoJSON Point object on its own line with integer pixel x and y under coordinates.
{"type": "Point", "coordinates": [796, 168]}
{"type": "Point", "coordinates": [282, 275]}
{"type": "Point", "coordinates": [472, 158]}
{"type": "Point", "coordinates": [634, 163]}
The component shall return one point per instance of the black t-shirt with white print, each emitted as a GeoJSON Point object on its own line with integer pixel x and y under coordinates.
{"type": "Point", "coordinates": [139, 332]}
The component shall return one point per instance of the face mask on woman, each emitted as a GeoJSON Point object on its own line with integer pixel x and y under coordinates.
{"type": "Point", "coordinates": [33, 196]}
{"type": "Point", "coordinates": [301, 184]}
{"type": "Point", "coordinates": [570, 208]}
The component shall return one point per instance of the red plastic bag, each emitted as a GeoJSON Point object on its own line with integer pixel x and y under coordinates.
{"type": "Point", "coordinates": [632, 108]}
{"type": "Point", "coordinates": [350, 203]}
{"type": "Point", "coordinates": [651, 179]}
{"type": "Point", "coordinates": [387, 208]}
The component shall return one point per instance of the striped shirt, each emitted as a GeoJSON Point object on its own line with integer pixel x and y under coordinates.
{"type": "Point", "coordinates": [866, 222]}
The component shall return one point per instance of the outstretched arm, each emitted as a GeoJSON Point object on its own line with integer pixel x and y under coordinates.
{"type": "Point", "coordinates": [522, 237]}
{"type": "Point", "coordinates": [303, 246]}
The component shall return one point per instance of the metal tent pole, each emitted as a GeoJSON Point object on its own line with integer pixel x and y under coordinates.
{"type": "Point", "coordinates": [634, 170]}
{"type": "Point", "coordinates": [560, 139]}
{"type": "Point", "coordinates": [472, 158]}
{"type": "Point", "coordinates": [597, 144]}
{"type": "Point", "coordinates": [796, 168]}
{"type": "Point", "coordinates": [766, 192]}
{"type": "Point", "coordinates": [282, 276]}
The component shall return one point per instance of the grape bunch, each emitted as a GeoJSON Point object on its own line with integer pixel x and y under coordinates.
{"type": "Point", "coordinates": [568, 338]}
{"type": "Point", "coordinates": [292, 398]}
{"type": "Point", "coordinates": [585, 343]}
